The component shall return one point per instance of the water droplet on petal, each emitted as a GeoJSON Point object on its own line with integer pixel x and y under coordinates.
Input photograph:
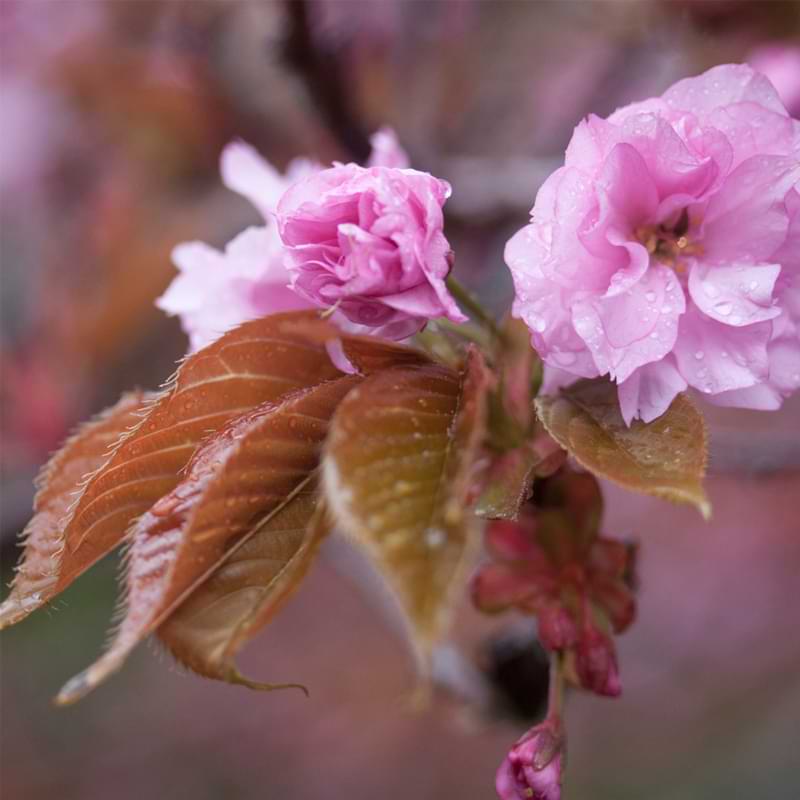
{"type": "Point", "coordinates": [650, 297]}
{"type": "Point", "coordinates": [699, 354]}
{"type": "Point", "coordinates": [565, 358]}
{"type": "Point", "coordinates": [723, 309]}
{"type": "Point", "coordinates": [435, 537]}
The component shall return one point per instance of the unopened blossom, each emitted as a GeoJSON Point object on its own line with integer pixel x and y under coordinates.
{"type": "Point", "coordinates": [538, 567]}
{"type": "Point", "coordinates": [596, 662]}
{"type": "Point", "coordinates": [780, 62]}
{"type": "Point", "coordinates": [533, 768]}
{"type": "Point", "coordinates": [369, 242]}
{"type": "Point", "coordinates": [553, 564]}
{"type": "Point", "coordinates": [664, 253]}
{"type": "Point", "coordinates": [215, 290]}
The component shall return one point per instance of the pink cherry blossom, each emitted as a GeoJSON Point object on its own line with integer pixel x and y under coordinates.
{"type": "Point", "coordinates": [218, 290]}
{"type": "Point", "coordinates": [369, 242]}
{"type": "Point", "coordinates": [533, 768]}
{"type": "Point", "coordinates": [664, 253]}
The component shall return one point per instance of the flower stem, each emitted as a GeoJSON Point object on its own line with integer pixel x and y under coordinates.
{"type": "Point", "coordinates": [473, 307]}
{"type": "Point", "coordinates": [555, 700]}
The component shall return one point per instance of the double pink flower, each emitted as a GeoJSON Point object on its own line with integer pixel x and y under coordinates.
{"type": "Point", "coordinates": [665, 253]}
{"type": "Point", "coordinates": [370, 242]}
{"type": "Point", "coordinates": [367, 241]}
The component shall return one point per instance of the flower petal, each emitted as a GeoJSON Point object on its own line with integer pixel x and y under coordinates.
{"type": "Point", "coordinates": [715, 358]}
{"type": "Point", "coordinates": [722, 86]}
{"type": "Point", "coordinates": [628, 186]}
{"type": "Point", "coordinates": [386, 150]}
{"type": "Point", "coordinates": [747, 220]}
{"type": "Point", "coordinates": [246, 172]}
{"type": "Point", "coordinates": [752, 129]}
{"type": "Point", "coordinates": [545, 306]}
{"type": "Point", "coordinates": [650, 390]}
{"type": "Point", "coordinates": [735, 294]}
{"type": "Point", "coordinates": [626, 331]}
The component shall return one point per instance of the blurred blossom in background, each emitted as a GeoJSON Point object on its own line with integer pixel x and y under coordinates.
{"type": "Point", "coordinates": [114, 115]}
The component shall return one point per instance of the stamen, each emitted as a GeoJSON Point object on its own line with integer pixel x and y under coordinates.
{"type": "Point", "coordinates": [669, 245]}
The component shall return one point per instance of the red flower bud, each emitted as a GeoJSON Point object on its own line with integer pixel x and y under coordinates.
{"type": "Point", "coordinates": [596, 663]}
{"type": "Point", "coordinates": [533, 768]}
{"type": "Point", "coordinates": [557, 629]}
{"type": "Point", "coordinates": [617, 601]}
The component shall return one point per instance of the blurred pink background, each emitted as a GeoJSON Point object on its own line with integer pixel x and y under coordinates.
{"type": "Point", "coordinates": [113, 117]}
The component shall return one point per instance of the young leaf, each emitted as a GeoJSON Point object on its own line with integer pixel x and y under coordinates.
{"type": "Point", "coordinates": [508, 478]}
{"type": "Point", "coordinates": [516, 453]}
{"type": "Point", "coordinates": [235, 482]}
{"type": "Point", "coordinates": [666, 457]}
{"type": "Point", "coordinates": [507, 483]}
{"type": "Point", "coordinates": [250, 365]}
{"type": "Point", "coordinates": [396, 474]}
{"type": "Point", "coordinates": [208, 629]}
{"type": "Point", "coordinates": [371, 355]}
{"type": "Point", "coordinates": [58, 483]}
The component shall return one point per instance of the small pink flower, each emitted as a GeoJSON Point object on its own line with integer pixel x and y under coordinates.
{"type": "Point", "coordinates": [218, 290]}
{"type": "Point", "coordinates": [369, 242]}
{"type": "Point", "coordinates": [664, 253]}
{"type": "Point", "coordinates": [533, 768]}
{"type": "Point", "coordinates": [781, 64]}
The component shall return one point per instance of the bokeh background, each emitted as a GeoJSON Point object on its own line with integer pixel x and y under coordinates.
{"type": "Point", "coordinates": [112, 117]}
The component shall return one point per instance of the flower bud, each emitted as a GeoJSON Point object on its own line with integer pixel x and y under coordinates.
{"type": "Point", "coordinates": [533, 768]}
{"type": "Point", "coordinates": [596, 663]}
{"type": "Point", "coordinates": [557, 629]}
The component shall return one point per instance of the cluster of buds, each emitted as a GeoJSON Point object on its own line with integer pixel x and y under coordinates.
{"type": "Point", "coordinates": [553, 563]}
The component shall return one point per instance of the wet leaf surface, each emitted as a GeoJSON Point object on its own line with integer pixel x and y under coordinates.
{"type": "Point", "coordinates": [207, 630]}
{"type": "Point", "coordinates": [59, 482]}
{"type": "Point", "coordinates": [251, 469]}
{"type": "Point", "coordinates": [666, 458]}
{"type": "Point", "coordinates": [396, 473]}
{"type": "Point", "coordinates": [253, 364]}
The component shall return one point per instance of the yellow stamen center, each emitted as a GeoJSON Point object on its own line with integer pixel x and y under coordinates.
{"type": "Point", "coordinates": [669, 246]}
